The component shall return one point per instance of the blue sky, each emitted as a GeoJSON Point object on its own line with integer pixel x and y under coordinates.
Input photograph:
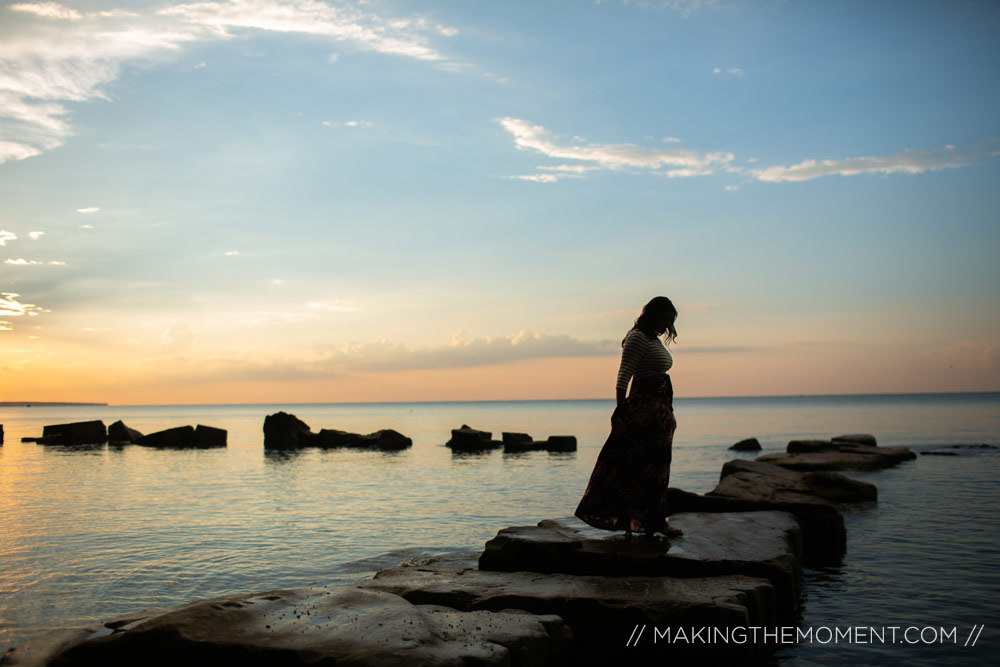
{"type": "Point", "coordinates": [222, 201]}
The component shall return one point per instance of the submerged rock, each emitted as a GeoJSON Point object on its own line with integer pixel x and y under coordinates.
{"type": "Point", "coordinates": [77, 433]}
{"type": "Point", "coordinates": [605, 613]}
{"type": "Point", "coordinates": [345, 625]}
{"type": "Point", "coordinates": [956, 450]}
{"type": "Point", "coordinates": [754, 544]}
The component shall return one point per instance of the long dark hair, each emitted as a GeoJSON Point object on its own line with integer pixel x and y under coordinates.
{"type": "Point", "coordinates": [650, 313]}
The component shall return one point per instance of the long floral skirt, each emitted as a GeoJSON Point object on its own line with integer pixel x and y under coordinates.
{"type": "Point", "coordinates": [628, 488]}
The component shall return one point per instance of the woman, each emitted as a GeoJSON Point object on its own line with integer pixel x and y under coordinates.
{"type": "Point", "coordinates": [628, 488]}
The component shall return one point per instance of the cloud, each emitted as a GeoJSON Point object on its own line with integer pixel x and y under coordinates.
{"type": "Point", "coordinates": [6, 236]}
{"type": "Point", "coordinates": [684, 7]}
{"type": "Point", "coordinates": [732, 71]}
{"type": "Point", "coordinates": [89, 209]}
{"type": "Point", "coordinates": [367, 31]}
{"type": "Point", "coordinates": [907, 162]}
{"type": "Point", "coordinates": [34, 236]}
{"type": "Point", "coordinates": [55, 54]}
{"type": "Point", "coordinates": [461, 351]}
{"type": "Point", "coordinates": [20, 262]}
{"type": "Point", "coordinates": [11, 307]}
{"type": "Point", "coordinates": [671, 162]}
{"type": "Point", "coordinates": [51, 10]}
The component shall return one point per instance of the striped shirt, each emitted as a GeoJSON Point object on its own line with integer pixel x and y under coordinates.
{"type": "Point", "coordinates": [642, 355]}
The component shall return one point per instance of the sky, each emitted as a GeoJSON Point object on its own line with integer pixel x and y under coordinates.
{"type": "Point", "coordinates": [277, 201]}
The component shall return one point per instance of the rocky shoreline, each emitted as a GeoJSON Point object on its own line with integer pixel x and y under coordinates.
{"type": "Point", "coordinates": [559, 592]}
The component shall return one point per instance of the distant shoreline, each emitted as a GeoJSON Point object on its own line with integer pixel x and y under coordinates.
{"type": "Point", "coordinates": [39, 404]}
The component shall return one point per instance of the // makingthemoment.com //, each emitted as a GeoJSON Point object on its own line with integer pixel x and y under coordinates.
{"type": "Point", "coordinates": [824, 634]}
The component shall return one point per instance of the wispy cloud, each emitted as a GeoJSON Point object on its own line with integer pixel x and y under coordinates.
{"type": "Point", "coordinates": [907, 162]}
{"type": "Point", "coordinates": [461, 351]}
{"type": "Point", "coordinates": [59, 54]}
{"type": "Point", "coordinates": [89, 209]}
{"type": "Point", "coordinates": [34, 236]}
{"type": "Point", "coordinates": [10, 306]}
{"type": "Point", "coordinates": [671, 162]}
{"type": "Point", "coordinates": [732, 71]}
{"type": "Point", "coordinates": [682, 162]}
{"type": "Point", "coordinates": [683, 7]}
{"type": "Point", "coordinates": [6, 236]}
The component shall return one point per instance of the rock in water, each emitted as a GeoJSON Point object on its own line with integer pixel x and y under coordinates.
{"type": "Point", "coordinates": [468, 439]}
{"type": "Point", "coordinates": [748, 445]}
{"type": "Point", "coordinates": [208, 436]}
{"type": "Point", "coordinates": [120, 433]}
{"type": "Point", "coordinates": [754, 544]}
{"type": "Point", "coordinates": [172, 438]}
{"type": "Point", "coordinates": [285, 431]}
{"type": "Point", "coordinates": [77, 433]}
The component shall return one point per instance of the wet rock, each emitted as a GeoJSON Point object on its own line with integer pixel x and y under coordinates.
{"type": "Point", "coordinates": [178, 438]}
{"type": "Point", "coordinates": [285, 431]}
{"type": "Point", "coordinates": [855, 439]}
{"type": "Point", "coordinates": [466, 439]}
{"type": "Point", "coordinates": [804, 446]}
{"type": "Point", "coordinates": [209, 436]}
{"type": "Point", "coordinates": [824, 538]}
{"type": "Point", "coordinates": [754, 480]}
{"type": "Point", "coordinates": [604, 612]}
{"type": "Point", "coordinates": [846, 456]}
{"type": "Point", "coordinates": [748, 445]}
{"type": "Point", "coordinates": [561, 443]}
{"type": "Point", "coordinates": [755, 544]}
{"type": "Point", "coordinates": [77, 433]}
{"type": "Point", "coordinates": [522, 442]}
{"type": "Point", "coordinates": [183, 437]}
{"type": "Point", "coordinates": [346, 626]}
{"type": "Point", "coordinates": [386, 439]}
{"type": "Point", "coordinates": [120, 433]}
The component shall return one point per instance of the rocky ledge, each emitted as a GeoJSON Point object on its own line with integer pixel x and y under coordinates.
{"type": "Point", "coordinates": [845, 452]}
{"type": "Point", "coordinates": [765, 545]}
{"type": "Point", "coordinates": [344, 626]}
{"type": "Point", "coordinates": [604, 613]}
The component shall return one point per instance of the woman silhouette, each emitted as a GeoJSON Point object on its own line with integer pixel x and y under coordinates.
{"type": "Point", "coordinates": [628, 488]}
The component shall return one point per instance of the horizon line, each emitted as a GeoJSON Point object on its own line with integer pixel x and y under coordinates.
{"type": "Point", "coordinates": [507, 400]}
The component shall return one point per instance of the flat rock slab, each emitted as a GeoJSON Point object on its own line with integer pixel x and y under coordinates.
{"type": "Point", "coordinates": [603, 612]}
{"type": "Point", "coordinates": [767, 545]}
{"type": "Point", "coordinates": [846, 457]}
{"type": "Point", "coordinates": [756, 480]}
{"type": "Point", "coordinates": [824, 538]}
{"type": "Point", "coordinates": [343, 625]}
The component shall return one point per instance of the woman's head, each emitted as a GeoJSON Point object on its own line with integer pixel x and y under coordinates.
{"type": "Point", "coordinates": [658, 317]}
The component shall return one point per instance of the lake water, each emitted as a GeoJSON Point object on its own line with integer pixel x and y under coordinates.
{"type": "Point", "coordinates": [89, 535]}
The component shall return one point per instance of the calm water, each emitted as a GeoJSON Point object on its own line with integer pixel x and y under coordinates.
{"type": "Point", "coordinates": [89, 535]}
